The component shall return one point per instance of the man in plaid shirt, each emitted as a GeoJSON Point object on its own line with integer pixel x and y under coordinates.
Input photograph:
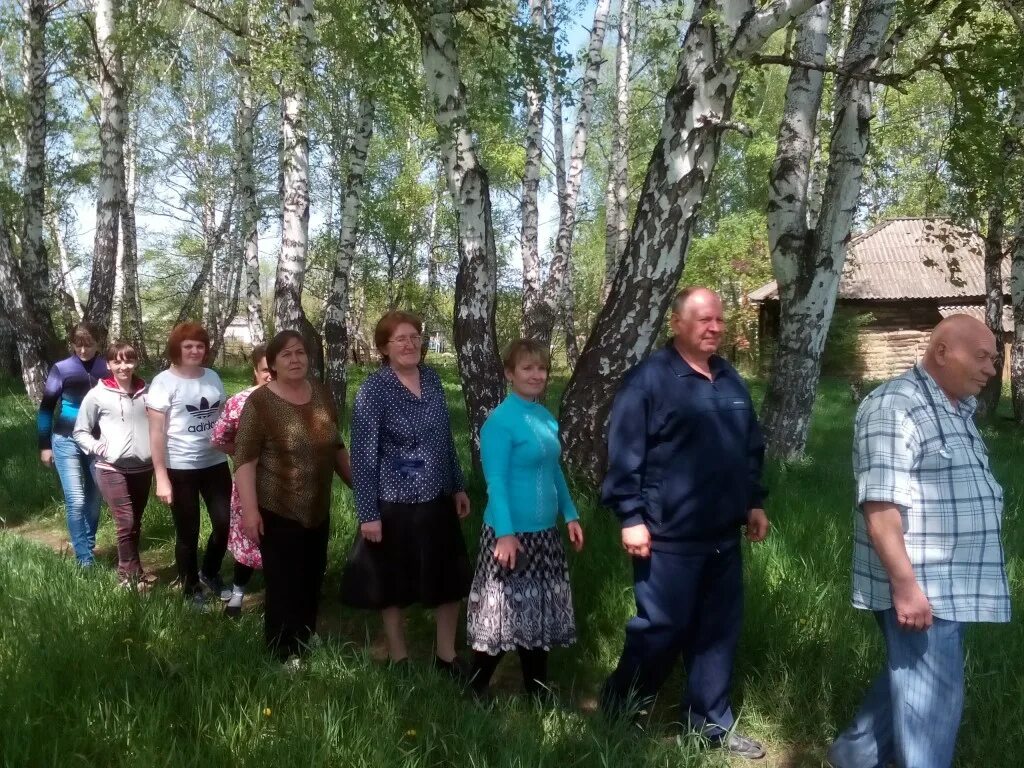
{"type": "Point", "coordinates": [928, 557]}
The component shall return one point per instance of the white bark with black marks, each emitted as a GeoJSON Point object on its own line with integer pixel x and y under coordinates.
{"type": "Point", "coordinates": [291, 265]}
{"type": "Point", "coordinates": [66, 280]}
{"type": "Point", "coordinates": [558, 284]}
{"type": "Point", "coordinates": [111, 165]}
{"type": "Point", "coordinates": [988, 398]}
{"type": "Point", "coordinates": [476, 344]}
{"type": "Point", "coordinates": [336, 339]}
{"type": "Point", "coordinates": [808, 276]}
{"type": "Point", "coordinates": [250, 214]}
{"type": "Point", "coordinates": [616, 199]}
{"type": "Point", "coordinates": [529, 238]}
{"type": "Point", "coordinates": [34, 262]}
{"type": "Point", "coordinates": [697, 111]}
{"type": "Point", "coordinates": [29, 337]}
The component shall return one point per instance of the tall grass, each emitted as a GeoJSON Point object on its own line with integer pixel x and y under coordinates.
{"type": "Point", "coordinates": [90, 675]}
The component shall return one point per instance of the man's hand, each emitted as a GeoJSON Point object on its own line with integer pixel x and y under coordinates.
{"type": "Point", "coordinates": [913, 611]}
{"type": "Point", "coordinates": [636, 540]}
{"type": "Point", "coordinates": [757, 524]}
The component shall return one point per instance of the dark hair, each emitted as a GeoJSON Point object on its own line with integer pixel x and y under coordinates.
{"type": "Point", "coordinates": [258, 353]}
{"type": "Point", "coordinates": [278, 343]}
{"type": "Point", "coordinates": [186, 332]}
{"type": "Point", "coordinates": [525, 348]}
{"type": "Point", "coordinates": [122, 349]}
{"type": "Point", "coordinates": [84, 332]}
{"type": "Point", "coordinates": [389, 323]}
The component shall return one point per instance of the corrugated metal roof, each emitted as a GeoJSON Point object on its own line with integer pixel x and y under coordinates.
{"type": "Point", "coordinates": [977, 311]}
{"type": "Point", "coordinates": [910, 258]}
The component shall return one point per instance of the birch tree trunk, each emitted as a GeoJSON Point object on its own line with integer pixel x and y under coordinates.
{"type": "Point", "coordinates": [430, 313]}
{"type": "Point", "coordinates": [336, 321]}
{"type": "Point", "coordinates": [541, 320]}
{"type": "Point", "coordinates": [809, 278]}
{"type": "Point", "coordinates": [1017, 297]}
{"type": "Point", "coordinates": [697, 109]}
{"type": "Point", "coordinates": [111, 166]}
{"type": "Point", "coordinates": [117, 299]}
{"type": "Point", "coordinates": [34, 263]}
{"type": "Point", "coordinates": [291, 265]}
{"type": "Point", "coordinates": [250, 218]}
{"type": "Point", "coordinates": [529, 242]}
{"type": "Point", "coordinates": [988, 398]}
{"type": "Point", "coordinates": [616, 200]}
{"type": "Point", "coordinates": [29, 337]}
{"type": "Point", "coordinates": [57, 234]}
{"type": "Point", "coordinates": [131, 303]}
{"type": "Point", "coordinates": [476, 343]}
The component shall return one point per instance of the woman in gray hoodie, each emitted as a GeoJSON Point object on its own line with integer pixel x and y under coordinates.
{"type": "Point", "coordinates": [116, 410]}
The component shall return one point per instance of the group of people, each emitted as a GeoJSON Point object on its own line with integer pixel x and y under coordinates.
{"type": "Point", "coordinates": [685, 455]}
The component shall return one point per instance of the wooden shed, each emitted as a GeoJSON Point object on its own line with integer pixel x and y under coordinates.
{"type": "Point", "coordinates": [900, 279]}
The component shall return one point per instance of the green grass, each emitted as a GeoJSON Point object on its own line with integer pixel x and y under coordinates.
{"type": "Point", "coordinates": [90, 675]}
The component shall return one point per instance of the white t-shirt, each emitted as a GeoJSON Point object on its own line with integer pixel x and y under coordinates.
{"type": "Point", "coordinates": [192, 407]}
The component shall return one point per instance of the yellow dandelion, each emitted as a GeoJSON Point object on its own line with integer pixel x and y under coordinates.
{"type": "Point", "coordinates": [267, 712]}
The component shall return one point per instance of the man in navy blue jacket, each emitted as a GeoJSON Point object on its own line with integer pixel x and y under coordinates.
{"type": "Point", "coordinates": [684, 475]}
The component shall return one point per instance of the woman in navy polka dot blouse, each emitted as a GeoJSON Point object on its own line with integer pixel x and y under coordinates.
{"type": "Point", "coordinates": [409, 494]}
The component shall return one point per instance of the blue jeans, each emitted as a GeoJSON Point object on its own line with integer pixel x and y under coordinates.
{"type": "Point", "coordinates": [81, 496]}
{"type": "Point", "coordinates": [911, 713]}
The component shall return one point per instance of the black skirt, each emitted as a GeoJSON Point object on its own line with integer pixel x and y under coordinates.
{"type": "Point", "coordinates": [420, 559]}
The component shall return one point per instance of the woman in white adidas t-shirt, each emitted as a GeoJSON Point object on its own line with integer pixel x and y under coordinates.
{"type": "Point", "coordinates": [184, 402]}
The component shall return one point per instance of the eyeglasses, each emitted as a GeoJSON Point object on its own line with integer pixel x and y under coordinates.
{"type": "Point", "coordinates": [415, 340]}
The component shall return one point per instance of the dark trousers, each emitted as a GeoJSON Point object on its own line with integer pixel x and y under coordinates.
{"type": "Point", "coordinates": [294, 562]}
{"type": "Point", "coordinates": [534, 663]}
{"type": "Point", "coordinates": [126, 493]}
{"type": "Point", "coordinates": [213, 484]}
{"type": "Point", "coordinates": [689, 604]}
{"type": "Point", "coordinates": [243, 575]}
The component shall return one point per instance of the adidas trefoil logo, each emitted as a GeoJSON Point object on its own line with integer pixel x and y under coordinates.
{"type": "Point", "coordinates": [204, 410]}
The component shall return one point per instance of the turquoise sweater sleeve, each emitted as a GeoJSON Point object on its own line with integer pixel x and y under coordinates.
{"type": "Point", "coordinates": [495, 450]}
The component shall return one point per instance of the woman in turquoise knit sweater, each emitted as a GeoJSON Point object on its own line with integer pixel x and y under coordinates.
{"type": "Point", "coordinates": [520, 599]}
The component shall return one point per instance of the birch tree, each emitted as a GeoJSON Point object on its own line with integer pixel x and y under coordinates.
{"type": "Point", "coordinates": [250, 213]}
{"type": "Point", "coordinates": [616, 198]}
{"type": "Point", "coordinates": [809, 263]}
{"type": "Point", "coordinates": [541, 320]}
{"type": "Point", "coordinates": [697, 110]}
{"type": "Point", "coordinates": [28, 336]}
{"type": "Point", "coordinates": [111, 165]}
{"type": "Point", "coordinates": [291, 265]}
{"type": "Point", "coordinates": [529, 241]}
{"type": "Point", "coordinates": [337, 310]}
{"type": "Point", "coordinates": [476, 344]}
{"type": "Point", "coordinates": [34, 262]}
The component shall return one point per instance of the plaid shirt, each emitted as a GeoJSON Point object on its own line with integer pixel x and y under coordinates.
{"type": "Point", "coordinates": [925, 455]}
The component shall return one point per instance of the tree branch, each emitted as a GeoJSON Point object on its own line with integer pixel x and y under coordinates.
{"type": "Point", "coordinates": [767, 22]}
{"type": "Point", "coordinates": [236, 31]}
{"type": "Point", "coordinates": [893, 80]}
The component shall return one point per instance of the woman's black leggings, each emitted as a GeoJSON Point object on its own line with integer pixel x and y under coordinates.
{"type": "Point", "coordinates": [213, 485]}
{"type": "Point", "coordinates": [534, 662]}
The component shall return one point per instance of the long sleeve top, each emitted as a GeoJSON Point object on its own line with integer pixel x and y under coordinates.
{"type": "Point", "coordinates": [66, 385]}
{"type": "Point", "coordinates": [295, 448]}
{"type": "Point", "coordinates": [684, 453]}
{"type": "Point", "coordinates": [519, 450]}
{"type": "Point", "coordinates": [402, 445]}
{"type": "Point", "coordinates": [123, 425]}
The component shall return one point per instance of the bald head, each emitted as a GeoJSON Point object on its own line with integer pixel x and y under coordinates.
{"type": "Point", "coordinates": [697, 323]}
{"type": "Point", "coordinates": [961, 356]}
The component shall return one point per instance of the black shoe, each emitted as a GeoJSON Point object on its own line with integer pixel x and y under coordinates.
{"type": "Point", "coordinates": [739, 745]}
{"type": "Point", "coordinates": [456, 669]}
{"type": "Point", "coordinates": [216, 586]}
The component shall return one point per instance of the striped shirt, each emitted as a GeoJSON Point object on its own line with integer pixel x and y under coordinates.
{"type": "Point", "coordinates": [66, 385]}
{"type": "Point", "coordinates": [915, 449]}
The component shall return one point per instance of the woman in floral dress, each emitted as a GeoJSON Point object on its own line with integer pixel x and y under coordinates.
{"type": "Point", "coordinates": [245, 551]}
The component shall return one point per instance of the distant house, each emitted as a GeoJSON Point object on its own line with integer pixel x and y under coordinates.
{"type": "Point", "coordinates": [904, 276]}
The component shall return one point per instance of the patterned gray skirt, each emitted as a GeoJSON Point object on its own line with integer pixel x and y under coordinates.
{"type": "Point", "coordinates": [529, 606]}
